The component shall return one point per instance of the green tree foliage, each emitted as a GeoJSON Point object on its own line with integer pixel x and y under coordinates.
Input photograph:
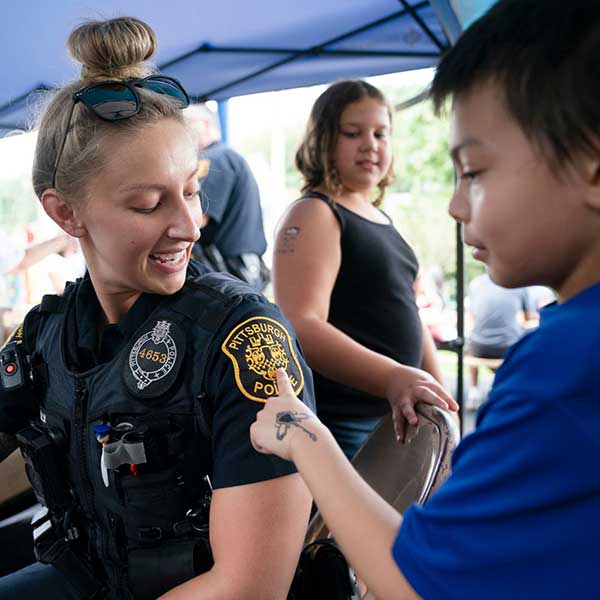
{"type": "Point", "coordinates": [418, 199]}
{"type": "Point", "coordinates": [420, 141]}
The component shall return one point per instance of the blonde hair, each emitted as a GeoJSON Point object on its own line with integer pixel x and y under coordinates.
{"type": "Point", "coordinates": [314, 158]}
{"type": "Point", "coordinates": [116, 49]}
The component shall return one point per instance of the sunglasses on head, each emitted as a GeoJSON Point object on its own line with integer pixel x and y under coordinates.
{"type": "Point", "coordinates": [118, 100]}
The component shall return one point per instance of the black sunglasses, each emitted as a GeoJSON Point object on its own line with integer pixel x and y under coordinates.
{"type": "Point", "coordinates": [118, 100]}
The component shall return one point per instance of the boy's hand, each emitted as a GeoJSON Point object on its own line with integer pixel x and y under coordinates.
{"type": "Point", "coordinates": [283, 418]}
{"type": "Point", "coordinates": [406, 387]}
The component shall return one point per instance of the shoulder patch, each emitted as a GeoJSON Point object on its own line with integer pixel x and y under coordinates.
{"type": "Point", "coordinates": [257, 347]}
{"type": "Point", "coordinates": [203, 168]}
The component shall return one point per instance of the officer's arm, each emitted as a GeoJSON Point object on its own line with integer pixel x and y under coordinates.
{"type": "Point", "coordinates": [260, 505]}
{"type": "Point", "coordinates": [256, 534]}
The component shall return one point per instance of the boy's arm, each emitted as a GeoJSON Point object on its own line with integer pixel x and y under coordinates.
{"type": "Point", "coordinates": [362, 523]}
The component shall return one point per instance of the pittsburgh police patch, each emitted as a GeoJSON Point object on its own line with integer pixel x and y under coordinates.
{"type": "Point", "coordinates": [257, 348]}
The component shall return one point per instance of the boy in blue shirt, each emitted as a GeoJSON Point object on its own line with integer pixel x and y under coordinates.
{"type": "Point", "coordinates": [519, 517]}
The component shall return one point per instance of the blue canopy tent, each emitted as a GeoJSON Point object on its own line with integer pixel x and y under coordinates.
{"type": "Point", "coordinates": [229, 48]}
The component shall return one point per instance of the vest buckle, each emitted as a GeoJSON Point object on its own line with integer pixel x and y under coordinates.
{"type": "Point", "coordinates": [150, 534]}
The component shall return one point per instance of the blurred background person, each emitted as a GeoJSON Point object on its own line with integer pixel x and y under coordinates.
{"type": "Point", "coordinates": [14, 258]}
{"type": "Point", "coordinates": [431, 304]}
{"type": "Point", "coordinates": [233, 239]}
{"type": "Point", "coordinates": [540, 296]}
{"type": "Point", "coordinates": [498, 318]}
{"type": "Point", "coordinates": [51, 274]}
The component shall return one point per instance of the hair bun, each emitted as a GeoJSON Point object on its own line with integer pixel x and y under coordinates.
{"type": "Point", "coordinates": [113, 49]}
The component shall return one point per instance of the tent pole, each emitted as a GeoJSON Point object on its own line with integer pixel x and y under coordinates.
{"type": "Point", "coordinates": [459, 342]}
{"type": "Point", "coordinates": [223, 110]}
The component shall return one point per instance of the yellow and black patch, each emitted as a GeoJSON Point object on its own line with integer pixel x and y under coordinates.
{"type": "Point", "coordinates": [257, 348]}
{"type": "Point", "coordinates": [203, 168]}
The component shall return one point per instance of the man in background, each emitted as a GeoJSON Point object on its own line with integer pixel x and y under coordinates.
{"type": "Point", "coordinates": [500, 317]}
{"type": "Point", "coordinates": [233, 239]}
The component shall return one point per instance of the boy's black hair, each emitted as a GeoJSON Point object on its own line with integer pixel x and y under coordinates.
{"type": "Point", "coordinates": [544, 56]}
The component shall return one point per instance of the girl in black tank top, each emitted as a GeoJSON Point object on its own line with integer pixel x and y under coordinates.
{"type": "Point", "coordinates": [344, 275]}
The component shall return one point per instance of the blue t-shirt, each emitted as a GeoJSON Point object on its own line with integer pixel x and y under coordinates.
{"type": "Point", "coordinates": [232, 201]}
{"type": "Point", "coordinates": [519, 517]}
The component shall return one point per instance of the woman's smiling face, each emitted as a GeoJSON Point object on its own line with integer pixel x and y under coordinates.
{"type": "Point", "coordinates": [142, 213]}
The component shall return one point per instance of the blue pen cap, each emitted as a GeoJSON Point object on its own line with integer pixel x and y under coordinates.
{"type": "Point", "coordinates": [101, 430]}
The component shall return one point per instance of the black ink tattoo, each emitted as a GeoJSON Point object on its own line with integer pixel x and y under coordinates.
{"type": "Point", "coordinates": [287, 245]}
{"type": "Point", "coordinates": [284, 420]}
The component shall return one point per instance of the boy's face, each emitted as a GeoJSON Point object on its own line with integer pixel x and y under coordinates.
{"type": "Point", "coordinates": [526, 224]}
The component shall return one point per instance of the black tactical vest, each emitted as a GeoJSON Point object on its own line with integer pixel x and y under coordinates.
{"type": "Point", "coordinates": [136, 520]}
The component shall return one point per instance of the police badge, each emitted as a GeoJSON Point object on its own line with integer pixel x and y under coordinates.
{"type": "Point", "coordinates": [154, 360]}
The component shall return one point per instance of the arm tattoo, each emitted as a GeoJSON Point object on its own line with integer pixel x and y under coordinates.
{"type": "Point", "coordinates": [8, 443]}
{"type": "Point", "coordinates": [287, 245]}
{"type": "Point", "coordinates": [284, 420]}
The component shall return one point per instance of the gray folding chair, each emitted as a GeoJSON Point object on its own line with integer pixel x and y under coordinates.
{"type": "Point", "coordinates": [403, 473]}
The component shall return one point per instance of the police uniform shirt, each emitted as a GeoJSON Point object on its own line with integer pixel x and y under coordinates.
{"type": "Point", "coordinates": [252, 341]}
{"type": "Point", "coordinates": [240, 379]}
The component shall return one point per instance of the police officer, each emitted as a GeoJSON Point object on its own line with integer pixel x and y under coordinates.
{"type": "Point", "coordinates": [131, 395]}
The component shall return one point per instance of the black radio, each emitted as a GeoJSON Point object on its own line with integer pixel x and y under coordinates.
{"type": "Point", "coordinates": [15, 367]}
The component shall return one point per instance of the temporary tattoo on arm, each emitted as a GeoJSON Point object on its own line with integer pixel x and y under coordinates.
{"type": "Point", "coordinates": [284, 420]}
{"type": "Point", "coordinates": [287, 244]}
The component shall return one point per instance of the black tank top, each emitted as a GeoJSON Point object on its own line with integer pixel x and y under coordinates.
{"type": "Point", "coordinates": [373, 301]}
